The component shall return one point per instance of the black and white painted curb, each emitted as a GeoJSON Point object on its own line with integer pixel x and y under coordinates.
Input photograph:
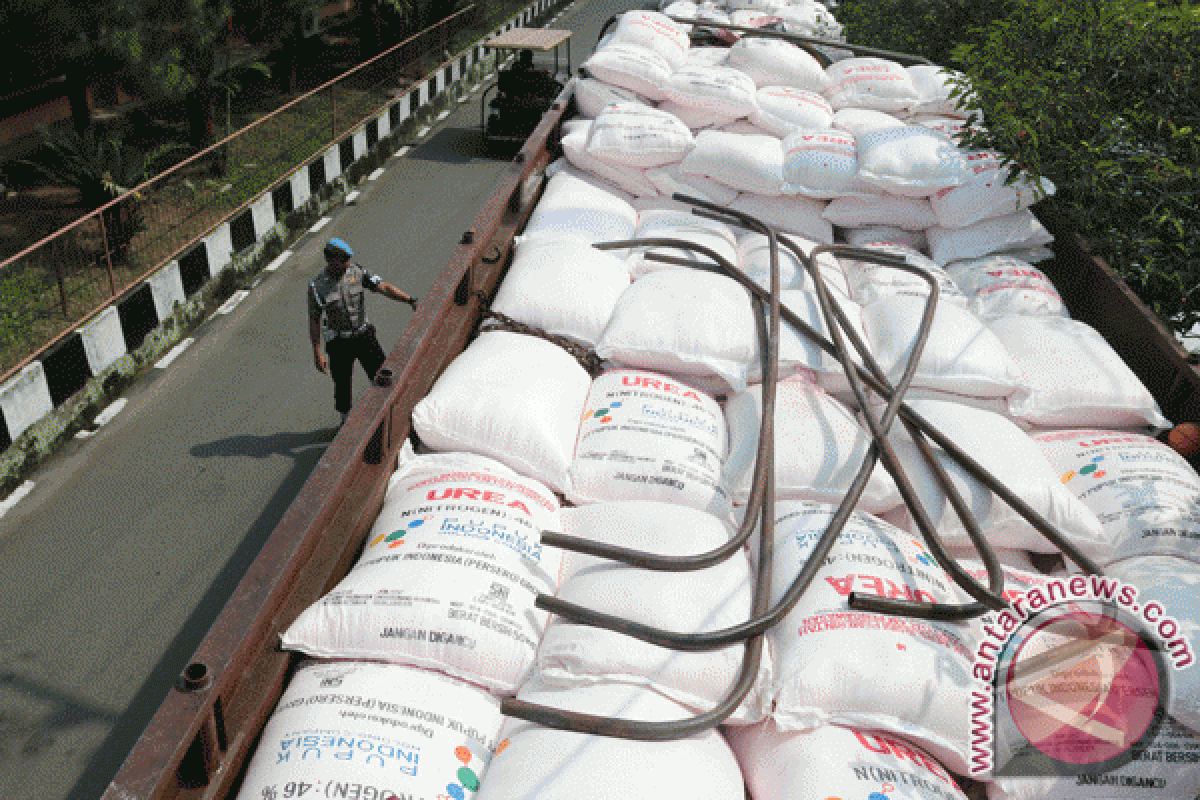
{"type": "Point", "coordinates": [61, 371]}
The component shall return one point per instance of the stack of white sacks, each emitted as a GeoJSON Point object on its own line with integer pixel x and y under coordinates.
{"type": "Point", "coordinates": [657, 454]}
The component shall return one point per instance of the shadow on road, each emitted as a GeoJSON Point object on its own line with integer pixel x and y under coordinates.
{"type": "Point", "coordinates": [452, 146]}
{"type": "Point", "coordinates": [306, 449]}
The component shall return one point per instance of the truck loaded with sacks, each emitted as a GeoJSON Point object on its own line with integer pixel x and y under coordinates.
{"type": "Point", "coordinates": [757, 441]}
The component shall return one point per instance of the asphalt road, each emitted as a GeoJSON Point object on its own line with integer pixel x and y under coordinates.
{"type": "Point", "coordinates": [112, 569]}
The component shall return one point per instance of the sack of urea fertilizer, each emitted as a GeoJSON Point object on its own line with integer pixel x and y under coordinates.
{"type": "Point", "coordinates": [374, 730]}
{"type": "Point", "coordinates": [647, 437]}
{"type": "Point", "coordinates": [912, 161]}
{"type": "Point", "coordinates": [1010, 455]}
{"type": "Point", "coordinates": [562, 286]}
{"type": "Point", "coordinates": [822, 163]}
{"type": "Point", "coordinates": [799, 215]}
{"type": "Point", "coordinates": [562, 166]}
{"type": "Point", "coordinates": [961, 355]}
{"type": "Point", "coordinates": [1000, 286]}
{"type": "Point", "coordinates": [628, 67]}
{"type": "Point", "coordinates": [987, 193]}
{"type": "Point", "coordinates": [532, 761]}
{"type": "Point", "coordinates": [721, 90]}
{"type": "Point", "coordinates": [703, 600]}
{"type": "Point", "coordinates": [832, 761]}
{"type": "Point", "coordinates": [745, 127]}
{"type": "Point", "coordinates": [511, 397]}
{"type": "Point", "coordinates": [884, 235]}
{"type": "Point", "coordinates": [832, 664]}
{"type": "Point", "coordinates": [819, 447]}
{"type": "Point", "coordinates": [592, 96]}
{"type": "Point", "coordinates": [653, 31]}
{"type": "Point", "coordinates": [708, 56]}
{"type": "Point", "coordinates": [696, 118]}
{"type": "Point", "coordinates": [934, 86]}
{"type": "Point", "coordinates": [1146, 495]}
{"type": "Point", "coordinates": [685, 226]}
{"type": "Point", "coordinates": [784, 109]}
{"type": "Point", "coordinates": [869, 82]}
{"type": "Point", "coordinates": [870, 282]}
{"type": "Point", "coordinates": [1173, 583]}
{"type": "Point", "coordinates": [774, 62]}
{"type": "Point", "coordinates": [754, 250]}
{"type": "Point", "coordinates": [856, 211]}
{"type": "Point", "coordinates": [1165, 769]}
{"type": "Point", "coordinates": [669, 181]}
{"type": "Point", "coordinates": [1020, 230]}
{"type": "Point", "coordinates": [748, 163]}
{"type": "Point", "coordinates": [573, 207]}
{"type": "Point", "coordinates": [634, 135]}
{"type": "Point", "coordinates": [687, 323]}
{"type": "Point", "coordinates": [800, 355]}
{"type": "Point", "coordinates": [858, 121]}
{"type": "Point", "coordinates": [448, 578]}
{"type": "Point", "coordinates": [632, 180]}
{"type": "Point", "coordinates": [1071, 377]}
{"type": "Point", "coordinates": [812, 19]}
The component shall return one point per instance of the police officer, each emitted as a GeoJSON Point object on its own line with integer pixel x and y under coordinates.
{"type": "Point", "coordinates": [337, 296]}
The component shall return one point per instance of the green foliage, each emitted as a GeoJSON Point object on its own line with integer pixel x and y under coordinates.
{"type": "Point", "coordinates": [929, 28]}
{"type": "Point", "coordinates": [1103, 98]}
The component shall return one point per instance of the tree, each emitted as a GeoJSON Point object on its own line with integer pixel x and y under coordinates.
{"type": "Point", "coordinates": [1100, 96]}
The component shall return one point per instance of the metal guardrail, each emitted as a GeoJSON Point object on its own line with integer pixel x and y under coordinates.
{"type": "Point", "coordinates": [63, 280]}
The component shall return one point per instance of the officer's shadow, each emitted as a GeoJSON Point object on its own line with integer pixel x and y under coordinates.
{"type": "Point", "coordinates": [300, 445]}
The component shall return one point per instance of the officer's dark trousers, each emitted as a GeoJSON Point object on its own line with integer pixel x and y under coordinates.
{"type": "Point", "coordinates": [343, 351]}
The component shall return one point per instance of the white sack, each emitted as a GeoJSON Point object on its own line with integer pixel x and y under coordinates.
{"type": "Point", "coordinates": [669, 180]}
{"type": "Point", "coordinates": [1017, 231]}
{"type": "Point", "coordinates": [869, 82]}
{"type": "Point", "coordinates": [800, 356]}
{"type": "Point", "coordinates": [934, 87]}
{"type": "Point", "coordinates": [863, 120]}
{"type": "Point", "coordinates": [748, 163]}
{"type": "Point", "coordinates": [987, 193]}
{"type": "Point", "coordinates": [634, 135]}
{"type": "Point", "coordinates": [511, 397]}
{"type": "Point", "coordinates": [658, 224]}
{"type": "Point", "coordinates": [827, 761]}
{"type": "Point", "coordinates": [628, 67]}
{"type": "Point", "coordinates": [562, 286]}
{"type": "Point", "coordinates": [653, 31]}
{"type": "Point", "coordinates": [960, 355]}
{"type": "Point", "coordinates": [631, 180]}
{"type": "Point", "coordinates": [744, 127]}
{"type": "Point", "coordinates": [821, 163]}
{"type": "Point", "coordinates": [721, 90]}
{"type": "Point", "coordinates": [562, 166]}
{"type": "Point", "coordinates": [783, 109]}
{"type": "Point", "coordinates": [774, 62]}
{"type": "Point", "coordinates": [374, 730]}
{"type": "Point", "coordinates": [592, 96]}
{"type": "Point", "coordinates": [1071, 377]}
{"type": "Point", "coordinates": [819, 447]}
{"type": "Point", "coordinates": [536, 762]}
{"type": "Point", "coordinates": [908, 213]}
{"type": "Point", "coordinates": [1016, 461]}
{"type": "Point", "coordinates": [708, 56]}
{"type": "Point", "coordinates": [576, 208]}
{"type": "Point", "coordinates": [908, 677]}
{"type": "Point", "coordinates": [1174, 583]}
{"type": "Point", "coordinates": [684, 322]}
{"type": "Point", "coordinates": [913, 161]}
{"type": "Point", "coordinates": [702, 600]}
{"type": "Point", "coordinates": [645, 437]}
{"type": "Point", "coordinates": [1146, 495]}
{"type": "Point", "coordinates": [695, 118]}
{"type": "Point", "coordinates": [799, 215]}
{"type": "Point", "coordinates": [870, 282]}
{"type": "Point", "coordinates": [1000, 286]}
{"type": "Point", "coordinates": [448, 577]}
{"type": "Point", "coordinates": [884, 235]}
{"type": "Point", "coordinates": [754, 251]}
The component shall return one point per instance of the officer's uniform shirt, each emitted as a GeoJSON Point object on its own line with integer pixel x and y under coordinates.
{"type": "Point", "coordinates": [341, 302]}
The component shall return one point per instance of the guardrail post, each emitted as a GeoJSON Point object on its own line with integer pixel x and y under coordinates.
{"type": "Point", "coordinates": [112, 281]}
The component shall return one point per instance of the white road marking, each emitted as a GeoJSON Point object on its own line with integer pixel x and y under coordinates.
{"type": "Point", "coordinates": [403, 151]}
{"type": "Point", "coordinates": [421, 133]}
{"type": "Point", "coordinates": [14, 498]}
{"type": "Point", "coordinates": [279, 259]}
{"type": "Point", "coordinates": [321, 223]}
{"type": "Point", "coordinates": [232, 303]}
{"type": "Point", "coordinates": [443, 115]}
{"type": "Point", "coordinates": [352, 198]}
{"type": "Point", "coordinates": [374, 176]}
{"type": "Point", "coordinates": [107, 415]}
{"type": "Point", "coordinates": [174, 353]}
